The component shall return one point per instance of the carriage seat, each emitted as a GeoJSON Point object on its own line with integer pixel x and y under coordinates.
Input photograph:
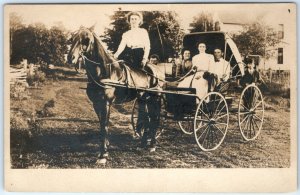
{"type": "Point", "coordinates": [156, 72]}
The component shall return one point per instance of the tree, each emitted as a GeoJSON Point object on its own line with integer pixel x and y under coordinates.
{"type": "Point", "coordinates": [202, 22]}
{"type": "Point", "coordinates": [255, 38]}
{"type": "Point", "coordinates": [164, 32]}
{"type": "Point", "coordinates": [15, 23]}
{"type": "Point", "coordinates": [36, 43]}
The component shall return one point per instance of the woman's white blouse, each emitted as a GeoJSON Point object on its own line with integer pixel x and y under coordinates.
{"type": "Point", "coordinates": [203, 61]}
{"type": "Point", "coordinates": [135, 38]}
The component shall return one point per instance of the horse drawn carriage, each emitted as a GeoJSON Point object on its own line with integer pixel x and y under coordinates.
{"type": "Point", "coordinates": [208, 118]}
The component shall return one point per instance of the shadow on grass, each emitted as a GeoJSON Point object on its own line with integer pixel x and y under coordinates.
{"type": "Point", "coordinates": [60, 149]}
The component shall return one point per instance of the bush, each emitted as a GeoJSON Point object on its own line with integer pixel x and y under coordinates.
{"type": "Point", "coordinates": [37, 78]}
{"type": "Point", "coordinates": [18, 90]}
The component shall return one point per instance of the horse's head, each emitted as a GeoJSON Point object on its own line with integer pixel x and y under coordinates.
{"type": "Point", "coordinates": [82, 43]}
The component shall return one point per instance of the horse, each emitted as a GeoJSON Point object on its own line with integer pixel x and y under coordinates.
{"type": "Point", "coordinates": [101, 67]}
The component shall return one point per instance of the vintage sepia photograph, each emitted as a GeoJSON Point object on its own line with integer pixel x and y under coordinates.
{"type": "Point", "coordinates": [151, 91]}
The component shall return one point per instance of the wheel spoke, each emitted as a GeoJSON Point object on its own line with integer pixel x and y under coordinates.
{"type": "Point", "coordinates": [246, 125]}
{"type": "Point", "coordinates": [216, 135]}
{"type": "Point", "coordinates": [221, 109]}
{"type": "Point", "coordinates": [253, 127]}
{"type": "Point", "coordinates": [244, 106]}
{"type": "Point", "coordinates": [244, 119]}
{"type": "Point", "coordinates": [217, 108]}
{"type": "Point", "coordinates": [257, 118]}
{"type": "Point", "coordinates": [203, 132]}
{"type": "Point", "coordinates": [222, 116]}
{"type": "Point", "coordinates": [219, 129]}
{"type": "Point", "coordinates": [221, 123]}
{"type": "Point", "coordinates": [201, 127]}
{"type": "Point", "coordinates": [206, 131]}
{"type": "Point", "coordinates": [256, 124]}
{"type": "Point", "coordinates": [242, 113]}
{"type": "Point", "coordinates": [204, 113]}
{"type": "Point", "coordinates": [257, 105]}
{"type": "Point", "coordinates": [259, 110]}
{"type": "Point", "coordinates": [250, 127]}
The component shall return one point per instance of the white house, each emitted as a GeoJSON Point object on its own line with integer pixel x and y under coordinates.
{"type": "Point", "coordinates": [281, 56]}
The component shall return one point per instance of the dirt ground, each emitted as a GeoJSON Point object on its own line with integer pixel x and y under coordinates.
{"type": "Point", "coordinates": [56, 127]}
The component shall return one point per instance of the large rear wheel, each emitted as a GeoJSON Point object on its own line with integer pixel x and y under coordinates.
{"type": "Point", "coordinates": [251, 112]}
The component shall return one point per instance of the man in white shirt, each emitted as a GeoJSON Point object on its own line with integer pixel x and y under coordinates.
{"type": "Point", "coordinates": [221, 68]}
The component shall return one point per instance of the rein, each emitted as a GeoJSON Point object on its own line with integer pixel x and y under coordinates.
{"type": "Point", "coordinates": [97, 63]}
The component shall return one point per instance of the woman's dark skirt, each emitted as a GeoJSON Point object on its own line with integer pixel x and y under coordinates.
{"type": "Point", "coordinates": [133, 57]}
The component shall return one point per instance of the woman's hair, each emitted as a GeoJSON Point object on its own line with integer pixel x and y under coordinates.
{"type": "Point", "coordinates": [139, 14]}
{"type": "Point", "coordinates": [185, 49]}
{"type": "Point", "coordinates": [154, 56]}
{"type": "Point", "coordinates": [201, 42]}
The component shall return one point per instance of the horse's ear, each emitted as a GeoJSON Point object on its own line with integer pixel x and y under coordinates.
{"type": "Point", "coordinates": [92, 27]}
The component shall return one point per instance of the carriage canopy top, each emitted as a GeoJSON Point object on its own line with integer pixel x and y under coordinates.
{"type": "Point", "coordinates": [213, 40]}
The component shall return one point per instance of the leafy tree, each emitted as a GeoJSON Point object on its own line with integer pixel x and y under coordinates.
{"type": "Point", "coordinates": [164, 32]}
{"type": "Point", "coordinates": [255, 38]}
{"type": "Point", "coordinates": [202, 22]}
{"type": "Point", "coordinates": [15, 23]}
{"type": "Point", "coordinates": [37, 43]}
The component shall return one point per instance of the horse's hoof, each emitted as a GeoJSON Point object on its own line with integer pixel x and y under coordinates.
{"type": "Point", "coordinates": [105, 154]}
{"type": "Point", "coordinates": [136, 136]}
{"type": "Point", "coordinates": [152, 149]}
{"type": "Point", "coordinates": [101, 161]}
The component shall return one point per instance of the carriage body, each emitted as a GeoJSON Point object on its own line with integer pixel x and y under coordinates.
{"type": "Point", "coordinates": [208, 118]}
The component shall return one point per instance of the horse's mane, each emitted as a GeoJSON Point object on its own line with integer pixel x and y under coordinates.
{"type": "Point", "coordinates": [102, 52]}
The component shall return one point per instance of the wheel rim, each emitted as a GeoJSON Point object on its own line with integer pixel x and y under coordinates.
{"type": "Point", "coordinates": [251, 112]}
{"type": "Point", "coordinates": [187, 125]}
{"type": "Point", "coordinates": [211, 121]}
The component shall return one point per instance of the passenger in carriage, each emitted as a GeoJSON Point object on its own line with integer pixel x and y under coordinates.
{"type": "Point", "coordinates": [135, 44]}
{"type": "Point", "coordinates": [185, 64]}
{"type": "Point", "coordinates": [221, 68]}
{"type": "Point", "coordinates": [201, 63]}
{"type": "Point", "coordinates": [154, 59]}
{"type": "Point", "coordinates": [251, 74]}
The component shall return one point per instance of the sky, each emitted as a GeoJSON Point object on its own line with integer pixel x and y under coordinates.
{"type": "Point", "coordinates": [73, 16]}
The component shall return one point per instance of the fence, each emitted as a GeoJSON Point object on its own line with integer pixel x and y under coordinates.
{"type": "Point", "coordinates": [277, 81]}
{"type": "Point", "coordinates": [20, 72]}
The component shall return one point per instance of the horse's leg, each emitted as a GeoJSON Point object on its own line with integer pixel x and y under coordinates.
{"type": "Point", "coordinates": [101, 108]}
{"type": "Point", "coordinates": [104, 120]}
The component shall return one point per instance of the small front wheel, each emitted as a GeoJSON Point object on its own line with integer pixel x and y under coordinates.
{"type": "Point", "coordinates": [211, 121]}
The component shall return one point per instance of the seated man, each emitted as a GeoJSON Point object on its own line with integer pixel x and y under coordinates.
{"type": "Point", "coordinates": [221, 68]}
{"type": "Point", "coordinates": [154, 59]}
{"type": "Point", "coordinates": [251, 74]}
{"type": "Point", "coordinates": [219, 71]}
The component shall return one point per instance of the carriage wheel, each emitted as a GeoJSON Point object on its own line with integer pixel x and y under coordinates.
{"type": "Point", "coordinates": [251, 112]}
{"type": "Point", "coordinates": [211, 121]}
{"type": "Point", "coordinates": [139, 123]}
{"type": "Point", "coordinates": [187, 125]}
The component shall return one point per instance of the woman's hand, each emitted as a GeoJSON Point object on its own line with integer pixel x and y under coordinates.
{"type": "Point", "coordinates": [116, 56]}
{"type": "Point", "coordinates": [144, 62]}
